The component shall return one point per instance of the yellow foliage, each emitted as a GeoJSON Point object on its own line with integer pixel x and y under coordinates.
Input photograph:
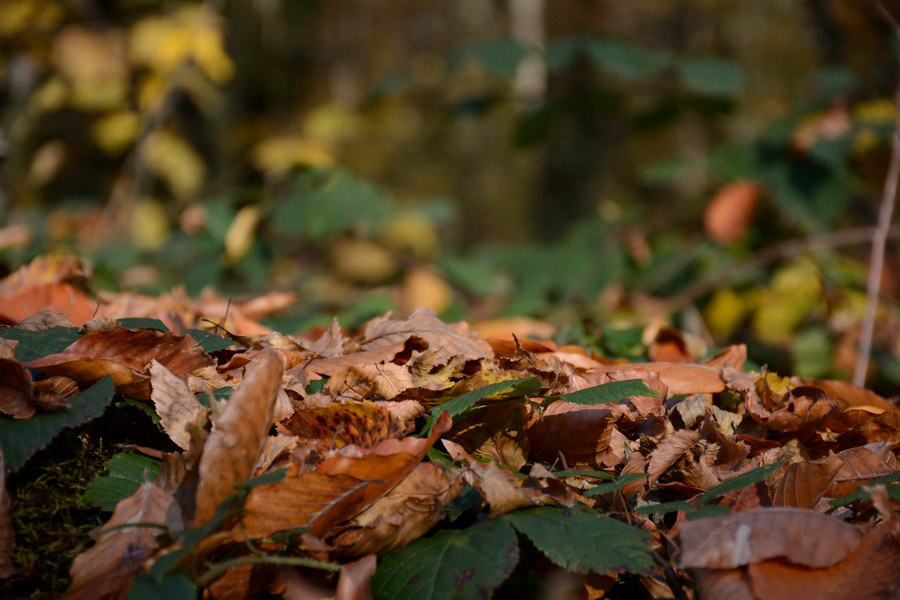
{"type": "Point", "coordinates": [149, 224]}
{"type": "Point", "coordinates": [280, 153]}
{"type": "Point", "coordinates": [46, 162]}
{"type": "Point", "coordinates": [174, 161]}
{"type": "Point", "coordinates": [875, 112]}
{"type": "Point", "coordinates": [424, 288]}
{"type": "Point", "coordinates": [190, 33]}
{"type": "Point", "coordinates": [115, 131]}
{"type": "Point", "coordinates": [362, 261]}
{"type": "Point", "coordinates": [411, 232]}
{"type": "Point", "coordinates": [16, 16]}
{"type": "Point", "coordinates": [794, 292]}
{"type": "Point", "coordinates": [724, 312]}
{"type": "Point", "coordinates": [106, 94]}
{"type": "Point", "coordinates": [330, 125]}
{"type": "Point", "coordinates": [239, 236]}
{"type": "Point", "coordinates": [95, 67]}
{"type": "Point", "coordinates": [50, 96]}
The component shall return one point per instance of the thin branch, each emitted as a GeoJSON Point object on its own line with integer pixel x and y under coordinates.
{"type": "Point", "coordinates": [879, 239]}
{"type": "Point", "coordinates": [786, 249]}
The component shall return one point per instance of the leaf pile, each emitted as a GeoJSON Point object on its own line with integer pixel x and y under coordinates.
{"type": "Point", "coordinates": [416, 459]}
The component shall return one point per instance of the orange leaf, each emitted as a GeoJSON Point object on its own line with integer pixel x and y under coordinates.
{"type": "Point", "coordinates": [805, 482]}
{"type": "Point", "coordinates": [729, 213]}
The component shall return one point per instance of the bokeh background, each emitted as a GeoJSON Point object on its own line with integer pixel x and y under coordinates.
{"type": "Point", "coordinates": [602, 168]}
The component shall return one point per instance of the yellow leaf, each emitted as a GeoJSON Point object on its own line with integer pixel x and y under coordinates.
{"type": "Point", "coordinates": [149, 225]}
{"type": "Point", "coordinates": [174, 161]}
{"type": "Point", "coordinates": [239, 236]}
{"type": "Point", "coordinates": [724, 312]}
{"type": "Point", "coordinates": [411, 232]}
{"type": "Point", "coordinates": [115, 131]}
{"type": "Point", "coordinates": [423, 288]}
{"type": "Point", "coordinates": [276, 154]}
{"type": "Point", "coordinates": [362, 261]}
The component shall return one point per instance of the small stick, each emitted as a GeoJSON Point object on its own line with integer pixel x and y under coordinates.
{"type": "Point", "coordinates": [879, 239]}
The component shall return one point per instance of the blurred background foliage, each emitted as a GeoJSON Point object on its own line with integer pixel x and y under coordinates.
{"type": "Point", "coordinates": [591, 164]}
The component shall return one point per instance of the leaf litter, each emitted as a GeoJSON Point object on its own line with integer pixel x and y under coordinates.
{"type": "Point", "coordinates": [417, 459]}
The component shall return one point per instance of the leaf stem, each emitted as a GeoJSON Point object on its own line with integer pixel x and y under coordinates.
{"type": "Point", "coordinates": [218, 569]}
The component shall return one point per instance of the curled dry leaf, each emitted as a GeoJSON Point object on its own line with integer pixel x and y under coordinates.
{"type": "Point", "coordinates": [406, 513]}
{"type": "Point", "coordinates": [105, 570]}
{"type": "Point", "coordinates": [670, 450]}
{"type": "Point", "coordinates": [7, 535]}
{"type": "Point", "coordinates": [315, 368]}
{"type": "Point", "coordinates": [16, 397]}
{"type": "Point", "coordinates": [43, 320]}
{"type": "Point", "coordinates": [379, 380]}
{"type": "Point", "coordinates": [177, 407]}
{"type": "Point", "coordinates": [805, 482]}
{"type": "Point", "coordinates": [238, 435]}
{"type": "Point", "coordinates": [124, 355]}
{"type": "Point", "coordinates": [450, 341]}
{"type": "Point", "coordinates": [580, 434]}
{"type": "Point", "coordinates": [340, 487]}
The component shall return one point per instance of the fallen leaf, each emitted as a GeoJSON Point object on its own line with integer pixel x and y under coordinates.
{"type": "Point", "coordinates": [451, 341]}
{"type": "Point", "coordinates": [670, 450]}
{"type": "Point", "coordinates": [381, 380]}
{"type": "Point", "coordinates": [354, 578]}
{"type": "Point", "coordinates": [730, 212]}
{"type": "Point", "coordinates": [105, 570]}
{"type": "Point", "coordinates": [805, 482]}
{"type": "Point", "coordinates": [861, 464]}
{"type": "Point", "coordinates": [238, 435]}
{"type": "Point", "coordinates": [16, 398]}
{"type": "Point", "coordinates": [363, 424]}
{"type": "Point", "coordinates": [125, 355]}
{"type": "Point", "coordinates": [176, 406]}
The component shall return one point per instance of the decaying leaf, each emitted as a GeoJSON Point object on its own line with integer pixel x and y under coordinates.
{"type": "Point", "coordinates": [805, 482]}
{"type": "Point", "coordinates": [238, 435]}
{"type": "Point", "coordinates": [16, 397]}
{"type": "Point", "coordinates": [176, 406]}
{"type": "Point", "coordinates": [105, 570]}
{"type": "Point", "coordinates": [448, 340]}
{"type": "Point", "coordinates": [363, 424]}
{"type": "Point", "coordinates": [125, 355]}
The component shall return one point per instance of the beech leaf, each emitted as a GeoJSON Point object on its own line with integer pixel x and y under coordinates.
{"type": "Point", "coordinates": [465, 564]}
{"type": "Point", "coordinates": [530, 386]}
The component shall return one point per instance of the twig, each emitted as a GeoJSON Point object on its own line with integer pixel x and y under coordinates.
{"type": "Point", "coordinates": [720, 277]}
{"type": "Point", "coordinates": [879, 240]}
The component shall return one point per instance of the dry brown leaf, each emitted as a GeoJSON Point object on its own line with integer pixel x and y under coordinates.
{"type": "Point", "coordinates": [871, 571]}
{"type": "Point", "coordinates": [238, 435]}
{"type": "Point", "coordinates": [861, 464]}
{"type": "Point", "coordinates": [852, 397]}
{"type": "Point", "coordinates": [341, 487]}
{"type": "Point", "coordinates": [580, 434]}
{"type": "Point", "coordinates": [331, 343]}
{"type": "Point", "coordinates": [680, 378]}
{"type": "Point", "coordinates": [16, 396]}
{"type": "Point", "coordinates": [363, 424]}
{"type": "Point", "coordinates": [670, 450]}
{"type": "Point", "coordinates": [124, 355]}
{"type": "Point", "coordinates": [802, 536]}
{"type": "Point", "coordinates": [378, 380]}
{"type": "Point", "coordinates": [449, 340]}
{"type": "Point", "coordinates": [495, 430]}
{"type": "Point", "coordinates": [353, 582]}
{"type": "Point", "coordinates": [730, 212]}
{"type": "Point", "coordinates": [7, 535]}
{"type": "Point", "coordinates": [805, 482]}
{"type": "Point", "coordinates": [105, 570]}
{"type": "Point", "coordinates": [177, 407]}
{"type": "Point", "coordinates": [316, 368]}
{"type": "Point", "coordinates": [406, 513]}
{"type": "Point", "coordinates": [733, 356]}
{"type": "Point", "coordinates": [44, 320]}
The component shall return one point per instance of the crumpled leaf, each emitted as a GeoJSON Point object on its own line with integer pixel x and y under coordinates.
{"type": "Point", "coordinates": [125, 355]}
{"type": "Point", "coordinates": [450, 341]}
{"type": "Point", "coordinates": [805, 482]}
{"type": "Point", "coordinates": [238, 435]}
{"type": "Point", "coordinates": [405, 514]}
{"type": "Point", "coordinates": [105, 570]}
{"type": "Point", "coordinates": [380, 380]}
{"type": "Point", "coordinates": [465, 564]}
{"type": "Point", "coordinates": [861, 464]}
{"type": "Point", "coordinates": [670, 450]}
{"type": "Point", "coordinates": [176, 406]}
{"type": "Point", "coordinates": [363, 424]}
{"type": "Point", "coordinates": [340, 487]}
{"type": "Point", "coordinates": [16, 398]}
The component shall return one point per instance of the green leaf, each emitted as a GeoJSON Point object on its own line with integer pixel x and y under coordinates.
{"type": "Point", "coordinates": [514, 388]}
{"type": "Point", "coordinates": [500, 56]}
{"type": "Point", "coordinates": [139, 323]}
{"type": "Point", "coordinates": [710, 510]}
{"type": "Point", "coordinates": [579, 540]}
{"type": "Point", "coordinates": [20, 439]}
{"type": "Point", "coordinates": [607, 392]}
{"type": "Point", "coordinates": [741, 481]}
{"type": "Point", "coordinates": [860, 493]}
{"type": "Point", "coordinates": [126, 474]}
{"type": "Point", "coordinates": [624, 342]}
{"type": "Point", "coordinates": [38, 344]}
{"type": "Point", "coordinates": [171, 587]}
{"type": "Point", "coordinates": [208, 341]}
{"type": "Point", "coordinates": [465, 564]}
{"type": "Point", "coordinates": [612, 486]}
{"type": "Point", "coordinates": [713, 76]}
{"type": "Point", "coordinates": [625, 59]}
{"type": "Point", "coordinates": [664, 507]}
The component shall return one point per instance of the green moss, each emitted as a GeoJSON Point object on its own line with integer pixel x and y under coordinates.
{"type": "Point", "coordinates": [50, 520]}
